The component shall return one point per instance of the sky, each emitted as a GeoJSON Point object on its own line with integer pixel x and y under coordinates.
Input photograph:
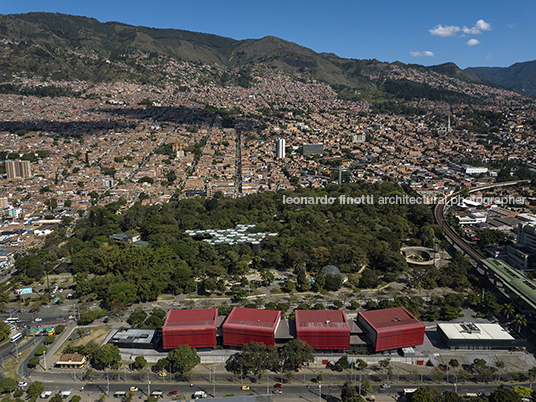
{"type": "Point", "coordinates": [470, 33]}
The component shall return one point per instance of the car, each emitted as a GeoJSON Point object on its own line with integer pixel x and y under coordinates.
{"type": "Point", "coordinates": [72, 317]}
{"type": "Point", "coordinates": [38, 319]}
{"type": "Point", "coordinates": [22, 384]}
{"type": "Point", "coordinates": [133, 389]}
{"type": "Point", "coordinates": [162, 374]}
{"type": "Point", "coordinates": [278, 385]}
{"type": "Point", "coordinates": [277, 391]}
{"type": "Point", "coordinates": [172, 392]}
{"type": "Point", "coordinates": [245, 387]}
{"type": "Point", "coordinates": [481, 394]}
{"type": "Point", "coordinates": [385, 386]}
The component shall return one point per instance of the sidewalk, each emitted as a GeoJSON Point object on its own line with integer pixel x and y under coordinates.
{"type": "Point", "coordinates": [49, 359]}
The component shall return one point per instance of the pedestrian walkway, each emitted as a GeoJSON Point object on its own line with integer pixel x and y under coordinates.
{"type": "Point", "coordinates": [49, 360]}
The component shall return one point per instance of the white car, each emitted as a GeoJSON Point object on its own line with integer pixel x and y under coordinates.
{"type": "Point", "coordinates": [38, 319]}
{"type": "Point", "coordinates": [385, 386]}
{"type": "Point", "coordinates": [23, 384]}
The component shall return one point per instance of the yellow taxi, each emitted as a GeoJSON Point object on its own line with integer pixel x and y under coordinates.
{"type": "Point", "coordinates": [245, 388]}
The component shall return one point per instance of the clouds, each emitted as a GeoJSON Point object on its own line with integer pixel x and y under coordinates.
{"type": "Point", "coordinates": [473, 42]}
{"type": "Point", "coordinates": [452, 30]}
{"type": "Point", "coordinates": [445, 31]}
{"type": "Point", "coordinates": [425, 53]}
{"type": "Point", "coordinates": [483, 25]}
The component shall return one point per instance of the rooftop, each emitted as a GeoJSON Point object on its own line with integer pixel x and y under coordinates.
{"type": "Point", "coordinates": [134, 335]}
{"type": "Point", "coordinates": [475, 331]}
{"type": "Point", "coordinates": [192, 318]}
{"type": "Point", "coordinates": [253, 317]}
{"type": "Point", "coordinates": [328, 319]}
{"type": "Point", "coordinates": [390, 318]}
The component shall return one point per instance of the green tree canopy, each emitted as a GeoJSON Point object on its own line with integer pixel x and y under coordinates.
{"type": "Point", "coordinates": [107, 356]}
{"type": "Point", "coordinates": [183, 359]}
{"type": "Point", "coordinates": [296, 352]}
{"type": "Point", "coordinates": [8, 385]}
{"type": "Point", "coordinates": [349, 393]}
{"type": "Point", "coordinates": [139, 363]}
{"type": "Point", "coordinates": [35, 389]}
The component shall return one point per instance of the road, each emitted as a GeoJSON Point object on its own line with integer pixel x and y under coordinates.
{"type": "Point", "coordinates": [450, 233]}
{"type": "Point", "coordinates": [289, 391]}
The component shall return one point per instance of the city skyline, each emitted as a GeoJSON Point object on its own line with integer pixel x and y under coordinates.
{"type": "Point", "coordinates": [467, 34]}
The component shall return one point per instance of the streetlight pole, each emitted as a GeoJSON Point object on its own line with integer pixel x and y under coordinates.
{"type": "Point", "coordinates": [214, 379]}
{"type": "Point", "coordinates": [319, 392]}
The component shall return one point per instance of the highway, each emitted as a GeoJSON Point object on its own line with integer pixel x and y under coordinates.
{"type": "Point", "coordinates": [450, 233]}
{"type": "Point", "coordinates": [311, 393]}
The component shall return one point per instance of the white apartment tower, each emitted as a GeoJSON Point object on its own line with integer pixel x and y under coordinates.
{"type": "Point", "coordinates": [280, 148]}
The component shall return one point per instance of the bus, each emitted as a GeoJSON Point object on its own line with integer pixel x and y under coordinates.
{"type": "Point", "coordinates": [15, 337]}
{"type": "Point", "coordinates": [12, 320]}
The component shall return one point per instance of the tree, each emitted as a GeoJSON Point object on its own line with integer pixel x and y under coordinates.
{"type": "Point", "coordinates": [56, 398]}
{"type": "Point", "coordinates": [333, 282]}
{"type": "Point", "coordinates": [8, 385]}
{"type": "Point", "coordinates": [137, 317]}
{"type": "Point", "coordinates": [366, 386]}
{"type": "Point", "coordinates": [50, 339]}
{"type": "Point", "coordinates": [183, 359]}
{"type": "Point", "coordinates": [107, 356]}
{"type": "Point", "coordinates": [342, 364]}
{"type": "Point", "coordinates": [503, 394]}
{"type": "Point", "coordinates": [76, 398]}
{"type": "Point", "coordinates": [532, 375]}
{"type": "Point", "coordinates": [385, 365]}
{"type": "Point", "coordinates": [33, 362]}
{"type": "Point", "coordinates": [139, 363]}
{"type": "Point", "coordinates": [35, 389]}
{"type": "Point", "coordinates": [289, 287]}
{"type": "Point", "coordinates": [296, 352]}
{"type": "Point", "coordinates": [508, 310]}
{"type": "Point", "coordinates": [349, 393]}
{"type": "Point", "coordinates": [4, 331]}
{"type": "Point", "coordinates": [255, 358]}
{"type": "Point", "coordinates": [267, 276]}
{"type": "Point", "coordinates": [421, 395]}
{"type": "Point", "coordinates": [451, 396]}
{"type": "Point", "coordinates": [454, 363]}
{"type": "Point", "coordinates": [520, 321]}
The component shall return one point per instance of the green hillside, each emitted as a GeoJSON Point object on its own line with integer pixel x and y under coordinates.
{"type": "Point", "coordinates": [65, 47]}
{"type": "Point", "coordinates": [519, 76]}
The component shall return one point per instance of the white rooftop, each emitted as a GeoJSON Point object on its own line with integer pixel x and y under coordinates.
{"type": "Point", "coordinates": [480, 331]}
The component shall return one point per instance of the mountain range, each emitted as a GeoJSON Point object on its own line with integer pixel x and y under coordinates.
{"type": "Point", "coordinates": [65, 47]}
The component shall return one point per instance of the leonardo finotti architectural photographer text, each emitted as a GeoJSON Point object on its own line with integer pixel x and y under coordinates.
{"type": "Point", "coordinates": [395, 200]}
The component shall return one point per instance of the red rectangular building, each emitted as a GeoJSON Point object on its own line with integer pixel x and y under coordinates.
{"type": "Point", "coordinates": [195, 328]}
{"type": "Point", "coordinates": [392, 328]}
{"type": "Point", "coordinates": [323, 329]}
{"type": "Point", "coordinates": [246, 325]}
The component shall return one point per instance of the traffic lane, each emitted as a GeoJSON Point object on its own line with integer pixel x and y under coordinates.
{"type": "Point", "coordinates": [144, 389]}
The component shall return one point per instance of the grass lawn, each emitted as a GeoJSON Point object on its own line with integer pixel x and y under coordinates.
{"type": "Point", "coordinates": [97, 335]}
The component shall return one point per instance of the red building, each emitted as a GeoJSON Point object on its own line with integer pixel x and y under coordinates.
{"type": "Point", "coordinates": [323, 329]}
{"type": "Point", "coordinates": [245, 325]}
{"type": "Point", "coordinates": [392, 328]}
{"type": "Point", "coordinates": [195, 328]}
